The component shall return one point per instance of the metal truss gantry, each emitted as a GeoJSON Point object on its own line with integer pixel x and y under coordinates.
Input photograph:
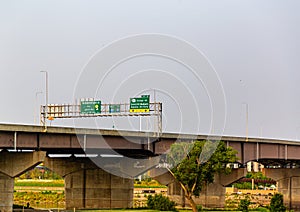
{"type": "Point", "coordinates": [65, 111]}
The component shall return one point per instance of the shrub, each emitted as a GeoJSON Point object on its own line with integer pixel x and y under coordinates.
{"type": "Point", "coordinates": [159, 202]}
{"type": "Point", "coordinates": [244, 205]}
{"type": "Point", "coordinates": [199, 208]}
{"type": "Point", "coordinates": [276, 204]}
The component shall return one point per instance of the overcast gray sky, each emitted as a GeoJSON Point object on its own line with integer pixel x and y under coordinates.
{"type": "Point", "coordinates": [253, 46]}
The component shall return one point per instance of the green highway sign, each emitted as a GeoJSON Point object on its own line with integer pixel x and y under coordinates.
{"type": "Point", "coordinates": [140, 104]}
{"type": "Point", "coordinates": [114, 108]}
{"type": "Point", "coordinates": [90, 107]}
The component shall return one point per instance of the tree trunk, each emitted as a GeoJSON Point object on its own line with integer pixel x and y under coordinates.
{"type": "Point", "coordinates": [192, 203]}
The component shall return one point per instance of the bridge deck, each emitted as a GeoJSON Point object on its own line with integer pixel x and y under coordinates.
{"type": "Point", "coordinates": [135, 144]}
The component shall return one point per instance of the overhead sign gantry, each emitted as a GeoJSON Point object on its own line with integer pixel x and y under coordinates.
{"type": "Point", "coordinates": [86, 108]}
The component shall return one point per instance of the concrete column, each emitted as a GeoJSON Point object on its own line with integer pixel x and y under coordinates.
{"type": "Point", "coordinates": [290, 188]}
{"type": "Point", "coordinates": [95, 188]}
{"type": "Point", "coordinates": [13, 165]}
{"type": "Point", "coordinates": [87, 186]}
{"type": "Point", "coordinates": [288, 184]}
{"type": "Point", "coordinates": [175, 194]}
{"type": "Point", "coordinates": [6, 193]}
{"type": "Point", "coordinates": [214, 196]}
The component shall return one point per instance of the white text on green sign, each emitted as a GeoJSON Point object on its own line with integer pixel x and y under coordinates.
{"type": "Point", "coordinates": [139, 104]}
{"type": "Point", "coordinates": [90, 107]}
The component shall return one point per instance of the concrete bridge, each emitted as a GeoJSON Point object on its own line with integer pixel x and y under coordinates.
{"type": "Point", "coordinates": [88, 186]}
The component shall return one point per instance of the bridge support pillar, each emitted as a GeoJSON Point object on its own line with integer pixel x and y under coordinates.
{"type": "Point", "coordinates": [95, 188]}
{"type": "Point", "coordinates": [11, 166]}
{"type": "Point", "coordinates": [87, 186]}
{"type": "Point", "coordinates": [6, 193]}
{"type": "Point", "coordinates": [288, 184]}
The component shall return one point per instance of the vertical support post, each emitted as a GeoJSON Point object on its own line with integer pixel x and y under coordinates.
{"type": "Point", "coordinates": [243, 154]}
{"type": "Point", "coordinates": [140, 123]}
{"type": "Point", "coordinates": [159, 119]}
{"type": "Point", "coordinates": [285, 152]}
{"type": "Point", "coordinates": [84, 142]}
{"type": "Point", "coordinates": [257, 151]}
{"type": "Point", "coordinates": [15, 141]}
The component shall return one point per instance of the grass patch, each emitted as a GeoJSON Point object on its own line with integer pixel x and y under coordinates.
{"type": "Point", "coordinates": [40, 183]}
{"type": "Point", "coordinates": [44, 199]}
{"type": "Point", "coordinates": [60, 183]}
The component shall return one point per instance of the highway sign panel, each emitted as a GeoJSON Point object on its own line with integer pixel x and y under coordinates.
{"type": "Point", "coordinates": [90, 107]}
{"type": "Point", "coordinates": [140, 104]}
{"type": "Point", "coordinates": [114, 108]}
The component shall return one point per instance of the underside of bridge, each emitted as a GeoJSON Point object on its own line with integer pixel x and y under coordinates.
{"type": "Point", "coordinates": [88, 186]}
{"type": "Point", "coordinates": [279, 163]}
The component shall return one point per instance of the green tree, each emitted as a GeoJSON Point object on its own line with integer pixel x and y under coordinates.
{"type": "Point", "coordinates": [194, 165]}
{"type": "Point", "coordinates": [276, 204]}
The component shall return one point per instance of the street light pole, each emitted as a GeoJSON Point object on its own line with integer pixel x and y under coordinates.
{"type": "Point", "coordinates": [46, 97]}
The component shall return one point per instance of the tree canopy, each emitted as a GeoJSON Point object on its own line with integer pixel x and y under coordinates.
{"type": "Point", "coordinates": [194, 164]}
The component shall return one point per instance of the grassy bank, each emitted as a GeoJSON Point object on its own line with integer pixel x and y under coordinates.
{"type": "Point", "coordinates": [44, 199]}
{"type": "Point", "coordinates": [40, 183]}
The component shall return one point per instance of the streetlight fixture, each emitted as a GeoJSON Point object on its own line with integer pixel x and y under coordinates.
{"type": "Point", "coordinates": [46, 98]}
